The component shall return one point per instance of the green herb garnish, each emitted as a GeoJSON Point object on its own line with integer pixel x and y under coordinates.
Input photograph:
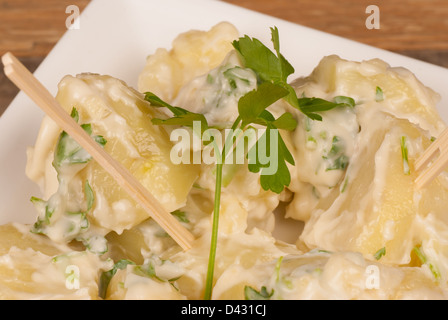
{"type": "Point", "coordinates": [252, 110]}
{"type": "Point", "coordinates": [404, 155]}
{"type": "Point", "coordinates": [252, 294]}
{"type": "Point", "coordinates": [106, 276]}
{"type": "Point", "coordinates": [422, 257]}
{"type": "Point", "coordinates": [181, 117]}
{"type": "Point", "coordinates": [380, 253]}
{"type": "Point", "coordinates": [181, 216]}
{"type": "Point", "coordinates": [273, 67]}
{"type": "Point", "coordinates": [335, 157]}
{"type": "Point", "coordinates": [68, 153]}
{"type": "Point", "coordinates": [149, 270]}
{"type": "Point", "coordinates": [344, 101]}
{"type": "Point", "coordinates": [272, 70]}
{"type": "Point", "coordinates": [379, 96]}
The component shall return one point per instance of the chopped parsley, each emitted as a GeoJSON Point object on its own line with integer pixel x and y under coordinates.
{"type": "Point", "coordinates": [379, 96]}
{"type": "Point", "coordinates": [67, 153]}
{"type": "Point", "coordinates": [404, 155]}
{"type": "Point", "coordinates": [252, 294]}
{"type": "Point", "coordinates": [380, 253]}
{"type": "Point", "coordinates": [424, 260]}
{"type": "Point", "coordinates": [107, 276]}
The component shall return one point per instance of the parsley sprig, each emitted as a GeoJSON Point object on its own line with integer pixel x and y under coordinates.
{"type": "Point", "coordinates": [181, 117]}
{"type": "Point", "coordinates": [272, 70]}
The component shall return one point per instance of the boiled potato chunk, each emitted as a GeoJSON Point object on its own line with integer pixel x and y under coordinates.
{"type": "Point", "coordinates": [33, 267]}
{"type": "Point", "coordinates": [120, 114]}
{"type": "Point", "coordinates": [193, 53]}
{"type": "Point", "coordinates": [376, 89]}
{"type": "Point", "coordinates": [376, 205]}
{"type": "Point", "coordinates": [387, 204]}
{"type": "Point", "coordinates": [395, 207]}
{"type": "Point", "coordinates": [403, 95]}
{"type": "Point", "coordinates": [18, 235]}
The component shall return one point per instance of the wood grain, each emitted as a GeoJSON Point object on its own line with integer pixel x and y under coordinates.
{"type": "Point", "coordinates": [30, 29]}
{"type": "Point", "coordinates": [416, 28]}
{"type": "Point", "coordinates": [405, 25]}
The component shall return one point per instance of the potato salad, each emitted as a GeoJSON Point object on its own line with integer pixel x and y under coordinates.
{"type": "Point", "coordinates": [245, 158]}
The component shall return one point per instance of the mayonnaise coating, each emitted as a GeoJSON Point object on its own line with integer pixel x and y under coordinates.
{"type": "Point", "coordinates": [366, 231]}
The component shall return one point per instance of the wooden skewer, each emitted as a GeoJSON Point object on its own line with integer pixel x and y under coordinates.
{"type": "Point", "coordinates": [25, 81]}
{"type": "Point", "coordinates": [438, 148]}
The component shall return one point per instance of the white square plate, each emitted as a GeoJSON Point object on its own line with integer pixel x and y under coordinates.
{"type": "Point", "coordinates": [115, 36]}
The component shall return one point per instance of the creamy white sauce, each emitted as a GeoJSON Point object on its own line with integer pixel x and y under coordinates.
{"type": "Point", "coordinates": [216, 93]}
{"type": "Point", "coordinates": [337, 185]}
{"type": "Point", "coordinates": [325, 147]}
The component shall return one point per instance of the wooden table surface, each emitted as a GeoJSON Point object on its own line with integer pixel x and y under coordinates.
{"type": "Point", "coordinates": [416, 28]}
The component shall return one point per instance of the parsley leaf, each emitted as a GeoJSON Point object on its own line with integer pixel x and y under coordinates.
{"type": "Point", "coordinates": [274, 68]}
{"type": "Point", "coordinates": [253, 103]}
{"type": "Point", "coordinates": [157, 102]}
{"type": "Point", "coordinates": [256, 56]}
{"type": "Point", "coordinates": [252, 109]}
{"type": "Point", "coordinates": [281, 177]}
{"type": "Point", "coordinates": [182, 117]}
{"type": "Point", "coordinates": [287, 68]}
{"type": "Point", "coordinates": [310, 106]}
{"type": "Point", "coordinates": [285, 122]}
{"type": "Point", "coordinates": [68, 151]}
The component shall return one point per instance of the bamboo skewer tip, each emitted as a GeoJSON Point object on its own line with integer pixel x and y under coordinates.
{"type": "Point", "coordinates": [25, 81]}
{"type": "Point", "coordinates": [438, 150]}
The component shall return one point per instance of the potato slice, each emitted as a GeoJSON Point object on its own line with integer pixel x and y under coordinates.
{"type": "Point", "coordinates": [387, 204]}
{"type": "Point", "coordinates": [120, 114]}
{"type": "Point", "coordinates": [375, 204]}
{"type": "Point", "coordinates": [19, 235]}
